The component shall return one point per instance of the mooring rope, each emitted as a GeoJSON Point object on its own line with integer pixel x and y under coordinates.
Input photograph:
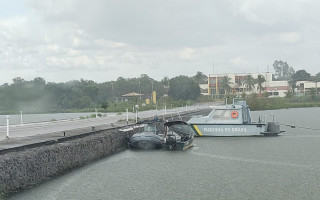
{"type": "Point", "coordinates": [302, 127]}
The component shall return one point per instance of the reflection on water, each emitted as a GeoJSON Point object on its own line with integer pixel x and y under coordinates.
{"type": "Point", "coordinates": [283, 167]}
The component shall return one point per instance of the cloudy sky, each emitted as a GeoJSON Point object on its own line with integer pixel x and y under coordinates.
{"type": "Point", "coordinates": [100, 40]}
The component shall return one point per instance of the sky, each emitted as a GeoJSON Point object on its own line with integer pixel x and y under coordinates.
{"type": "Point", "coordinates": [101, 40]}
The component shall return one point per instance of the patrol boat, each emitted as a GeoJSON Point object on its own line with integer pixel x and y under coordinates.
{"type": "Point", "coordinates": [233, 120]}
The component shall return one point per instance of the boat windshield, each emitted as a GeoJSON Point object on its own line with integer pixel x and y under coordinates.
{"type": "Point", "coordinates": [180, 129]}
{"type": "Point", "coordinates": [222, 114]}
{"type": "Point", "coordinates": [149, 128]}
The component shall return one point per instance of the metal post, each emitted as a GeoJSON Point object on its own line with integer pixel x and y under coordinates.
{"type": "Point", "coordinates": [8, 124]}
{"type": "Point", "coordinates": [140, 90]}
{"type": "Point", "coordinates": [186, 107]}
{"type": "Point", "coordinates": [136, 115]}
{"type": "Point", "coordinates": [127, 115]}
{"type": "Point", "coordinates": [21, 121]}
{"type": "Point", "coordinates": [165, 109]}
{"type": "Point", "coordinates": [96, 113]}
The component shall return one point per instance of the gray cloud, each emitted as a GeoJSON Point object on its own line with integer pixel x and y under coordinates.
{"type": "Point", "coordinates": [103, 39]}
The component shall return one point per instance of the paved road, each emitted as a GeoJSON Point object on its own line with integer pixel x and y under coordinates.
{"type": "Point", "coordinates": [32, 129]}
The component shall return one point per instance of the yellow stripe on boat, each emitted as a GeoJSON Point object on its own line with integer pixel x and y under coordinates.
{"type": "Point", "coordinates": [197, 129]}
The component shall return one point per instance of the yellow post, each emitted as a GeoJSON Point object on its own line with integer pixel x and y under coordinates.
{"type": "Point", "coordinates": [154, 97]}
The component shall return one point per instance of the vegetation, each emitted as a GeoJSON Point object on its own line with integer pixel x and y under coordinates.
{"type": "Point", "coordinates": [249, 82]}
{"type": "Point", "coordinates": [257, 103]}
{"type": "Point", "coordinates": [200, 78]}
{"type": "Point", "coordinates": [38, 96]}
{"type": "Point", "coordinates": [259, 81]}
{"type": "Point", "coordinates": [184, 88]}
{"type": "Point", "coordinates": [282, 70]}
{"type": "Point", "coordinates": [226, 84]}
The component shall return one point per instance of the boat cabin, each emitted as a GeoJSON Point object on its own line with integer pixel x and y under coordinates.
{"type": "Point", "coordinates": [237, 113]}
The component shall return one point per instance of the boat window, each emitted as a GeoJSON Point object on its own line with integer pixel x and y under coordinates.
{"type": "Point", "coordinates": [149, 128]}
{"type": "Point", "coordinates": [222, 114]}
{"type": "Point", "coordinates": [180, 129]}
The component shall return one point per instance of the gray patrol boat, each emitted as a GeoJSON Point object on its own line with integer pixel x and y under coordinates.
{"type": "Point", "coordinates": [233, 120]}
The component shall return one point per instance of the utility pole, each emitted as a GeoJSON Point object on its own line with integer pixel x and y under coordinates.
{"type": "Point", "coordinates": [112, 92]}
{"type": "Point", "coordinates": [140, 90]}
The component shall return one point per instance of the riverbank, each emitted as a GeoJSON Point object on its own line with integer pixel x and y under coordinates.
{"type": "Point", "coordinates": [282, 103]}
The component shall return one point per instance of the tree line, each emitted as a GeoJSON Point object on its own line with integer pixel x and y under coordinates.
{"type": "Point", "coordinates": [37, 95]}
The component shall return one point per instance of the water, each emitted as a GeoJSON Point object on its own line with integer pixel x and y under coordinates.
{"type": "Point", "coordinates": [284, 167]}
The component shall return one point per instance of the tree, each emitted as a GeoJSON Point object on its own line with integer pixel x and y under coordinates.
{"type": "Point", "coordinates": [225, 83]}
{"type": "Point", "coordinates": [184, 88]}
{"type": "Point", "coordinates": [313, 92]}
{"type": "Point", "coordinates": [293, 84]}
{"type": "Point", "coordinates": [166, 83]}
{"type": "Point", "coordinates": [259, 81]}
{"type": "Point", "coordinates": [282, 70]}
{"type": "Point", "coordinates": [17, 80]}
{"type": "Point", "coordinates": [301, 75]}
{"type": "Point", "coordinates": [317, 79]}
{"type": "Point", "coordinates": [105, 105]}
{"type": "Point", "coordinates": [249, 82]}
{"type": "Point", "coordinates": [200, 78]}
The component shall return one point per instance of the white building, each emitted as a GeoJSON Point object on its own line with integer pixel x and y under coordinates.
{"type": "Point", "coordinates": [274, 88]}
{"type": "Point", "coordinates": [304, 87]}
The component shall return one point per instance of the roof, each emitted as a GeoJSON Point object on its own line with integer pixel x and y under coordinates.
{"type": "Point", "coordinates": [132, 94]}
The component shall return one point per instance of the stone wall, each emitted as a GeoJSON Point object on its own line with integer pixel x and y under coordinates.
{"type": "Point", "coordinates": [30, 166]}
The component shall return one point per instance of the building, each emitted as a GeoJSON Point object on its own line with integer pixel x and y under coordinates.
{"type": "Point", "coordinates": [130, 96]}
{"type": "Point", "coordinates": [237, 80]}
{"type": "Point", "coordinates": [304, 87]}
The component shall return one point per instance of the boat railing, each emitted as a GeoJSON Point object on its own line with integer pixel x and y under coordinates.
{"type": "Point", "coordinates": [265, 118]}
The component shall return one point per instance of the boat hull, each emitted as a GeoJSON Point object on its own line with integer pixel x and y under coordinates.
{"type": "Point", "coordinates": [229, 129]}
{"type": "Point", "coordinates": [178, 146]}
{"type": "Point", "coordinates": [143, 141]}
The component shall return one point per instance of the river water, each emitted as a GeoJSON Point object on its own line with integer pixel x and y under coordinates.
{"type": "Point", "coordinates": [283, 167]}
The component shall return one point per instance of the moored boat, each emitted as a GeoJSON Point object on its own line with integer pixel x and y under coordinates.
{"type": "Point", "coordinates": [178, 136]}
{"type": "Point", "coordinates": [233, 120]}
{"type": "Point", "coordinates": [150, 138]}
